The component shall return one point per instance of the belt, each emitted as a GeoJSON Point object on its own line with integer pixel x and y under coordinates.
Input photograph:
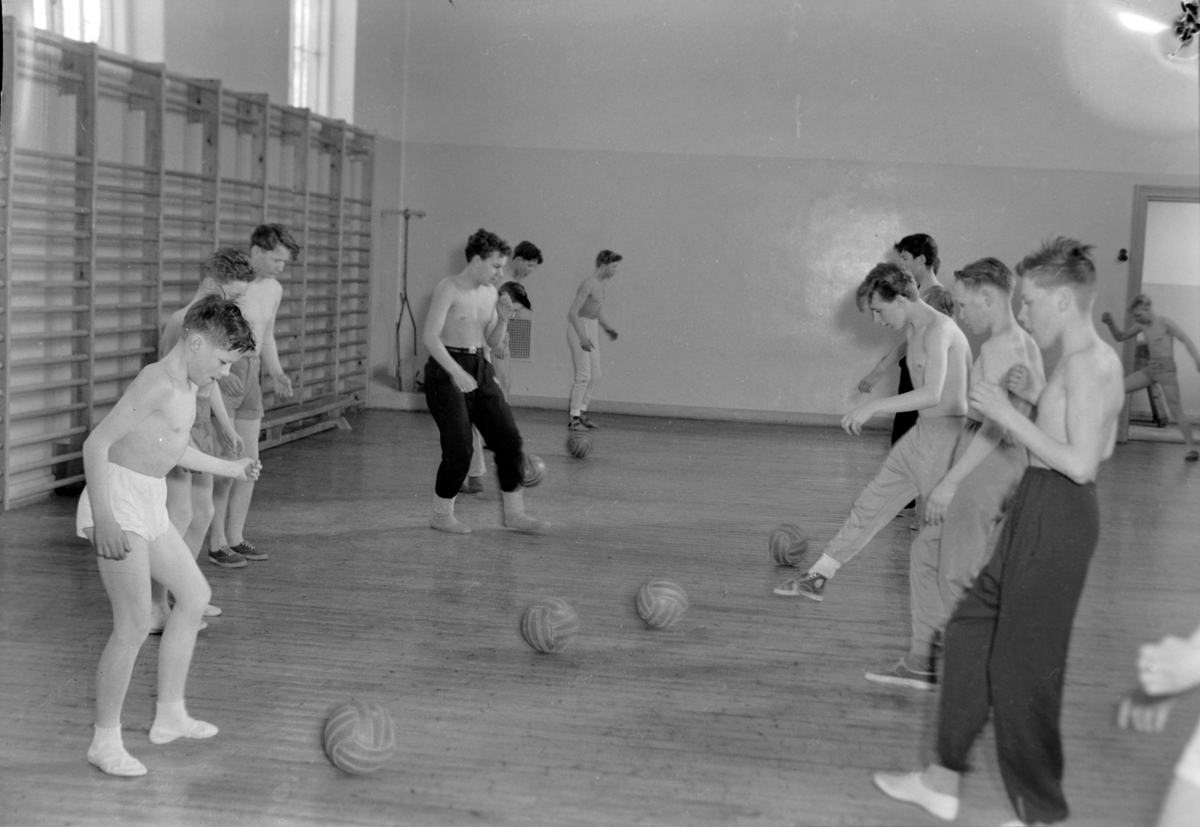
{"type": "Point", "coordinates": [463, 349]}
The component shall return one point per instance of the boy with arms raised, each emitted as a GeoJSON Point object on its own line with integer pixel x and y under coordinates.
{"type": "Point", "coordinates": [226, 273]}
{"type": "Point", "coordinates": [465, 315]}
{"type": "Point", "coordinates": [939, 360]}
{"type": "Point", "coordinates": [584, 318]}
{"type": "Point", "coordinates": [1006, 642]}
{"type": "Point", "coordinates": [123, 513]}
{"type": "Point", "coordinates": [969, 500]}
{"type": "Point", "coordinates": [271, 248]}
{"type": "Point", "coordinates": [1161, 334]}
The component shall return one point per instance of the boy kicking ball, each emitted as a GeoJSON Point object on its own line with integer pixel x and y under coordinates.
{"type": "Point", "coordinates": [123, 513]}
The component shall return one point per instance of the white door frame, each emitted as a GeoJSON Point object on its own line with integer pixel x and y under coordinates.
{"type": "Point", "coordinates": [1143, 194]}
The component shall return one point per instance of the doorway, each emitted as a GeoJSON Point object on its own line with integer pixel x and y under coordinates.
{"type": "Point", "coordinates": [1164, 263]}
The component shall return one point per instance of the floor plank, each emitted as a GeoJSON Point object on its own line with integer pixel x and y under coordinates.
{"type": "Point", "coordinates": [752, 710]}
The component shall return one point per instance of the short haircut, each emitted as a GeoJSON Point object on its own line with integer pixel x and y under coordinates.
{"type": "Point", "coordinates": [989, 270]}
{"type": "Point", "coordinates": [484, 244]}
{"type": "Point", "coordinates": [1140, 300]}
{"type": "Point", "coordinates": [269, 236]}
{"type": "Point", "coordinates": [940, 299]}
{"type": "Point", "coordinates": [516, 291]}
{"type": "Point", "coordinates": [607, 257]}
{"type": "Point", "coordinates": [888, 281]}
{"type": "Point", "coordinates": [1063, 261]}
{"type": "Point", "coordinates": [220, 320]}
{"type": "Point", "coordinates": [921, 244]}
{"type": "Point", "coordinates": [528, 251]}
{"type": "Point", "coordinates": [225, 265]}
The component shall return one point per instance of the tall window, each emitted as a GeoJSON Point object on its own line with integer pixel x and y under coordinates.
{"type": "Point", "coordinates": [312, 46]}
{"type": "Point", "coordinates": [77, 19]}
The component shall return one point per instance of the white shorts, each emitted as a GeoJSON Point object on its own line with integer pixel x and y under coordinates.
{"type": "Point", "coordinates": [1188, 767]}
{"type": "Point", "coordinates": [139, 504]}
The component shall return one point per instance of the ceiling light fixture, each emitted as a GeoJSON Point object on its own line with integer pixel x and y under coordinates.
{"type": "Point", "coordinates": [1141, 24]}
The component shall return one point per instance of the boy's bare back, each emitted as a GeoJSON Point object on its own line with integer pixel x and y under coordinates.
{"type": "Point", "coordinates": [944, 335]}
{"type": "Point", "coordinates": [592, 289]}
{"type": "Point", "coordinates": [159, 410]}
{"type": "Point", "coordinates": [1082, 400]}
{"type": "Point", "coordinates": [259, 304]}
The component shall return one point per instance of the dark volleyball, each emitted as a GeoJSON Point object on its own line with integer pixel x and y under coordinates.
{"type": "Point", "coordinates": [660, 603]}
{"type": "Point", "coordinates": [578, 444]}
{"type": "Point", "coordinates": [549, 625]}
{"type": "Point", "coordinates": [360, 737]}
{"type": "Point", "coordinates": [533, 471]}
{"type": "Point", "coordinates": [787, 545]}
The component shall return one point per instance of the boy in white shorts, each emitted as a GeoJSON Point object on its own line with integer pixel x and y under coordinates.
{"type": "Point", "coordinates": [123, 513]}
{"type": "Point", "coordinates": [227, 273]}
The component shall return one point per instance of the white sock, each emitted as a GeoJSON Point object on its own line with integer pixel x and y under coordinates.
{"type": "Point", "coordinates": [826, 567]}
{"type": "Point", "coordinates": [575, 414]}
{"type": "Point", "coordinates": [172, 721]}
{"type": "Point", "coordinates": [107, 752]}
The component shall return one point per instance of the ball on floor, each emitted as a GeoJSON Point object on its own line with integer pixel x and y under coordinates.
{"type": "Point", "coordinates": [787, 544]}
{"type": "Point", "coordinates": [533, 471]}
{"type": "Point", "coordinates": [549, 625]}
{"type": "Point", "coordinates": [360, 737]}
{"type": "Point", "coordinates": [660, 603]}
{"type": "Point", "coordinates": [578, 444]}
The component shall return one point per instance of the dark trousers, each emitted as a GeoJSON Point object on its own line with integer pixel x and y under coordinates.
{"type": "Point", "coordinates": [904, 420]}
{"type": "Point", "coordinates": [455, 412]}
{"type": "Point", "coordinates": [1006, 643]}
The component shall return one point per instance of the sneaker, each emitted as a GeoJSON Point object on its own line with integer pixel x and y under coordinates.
{"type": "Point", "coordinates": [471, 485]}
{"type": "Point", "coordinates": [226, 558]}
{"type": "Point", "coordinates": [576, 424]}
{"type": "Point", "coordinates": [587, 423]}
{"type": "Point", "coordinates": [248, 551]}
{"type": "Point", "coordinates": [902, 675]}
{"type": "Point", "coordinates": [809, 584]}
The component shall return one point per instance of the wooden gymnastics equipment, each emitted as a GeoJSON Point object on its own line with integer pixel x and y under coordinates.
{"type": "Point", "coordinates": [117, 177]}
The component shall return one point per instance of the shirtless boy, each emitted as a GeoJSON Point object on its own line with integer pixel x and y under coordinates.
{"type": "Point", "coordinates": [465, 315]}
{"type": "Point", "coordinates": [1006, 642]}
{"type": "Point", "coordinates": [967, 503]}
{"type": "Point", "coordinates": [1160, 333]}
{"type": "Point", "coordinates": [939, 360]}
{"type": "Point", "coordinates": [583, 319]}
{"type": "Point", "coordinates": [123, 513]}
{"type": "Point", "coordinates": [271, 248]}
{"type": "Point", "coordinates": [226, 273]}
{"type": "Point", "coordinates": [917, 253]}
{"type": "Point", "coordinates": [525, 259]}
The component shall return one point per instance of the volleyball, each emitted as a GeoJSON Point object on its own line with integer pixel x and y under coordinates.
{"type": "Point", "coordinates": [360, 737]}
{"type": "Point", "coordinates": [532, 471]}
{"type": "Point", "coordinates": [549, 625]}
{"type": "Point", "coordinates": [660, 603]}
{"type": "Point", "coordinates": [578, 444]}
{"type": "Point", "coordinates": [787, 545]}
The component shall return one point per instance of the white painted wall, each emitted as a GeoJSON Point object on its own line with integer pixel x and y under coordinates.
{"type": "Point", "coordinates": [752, 160]}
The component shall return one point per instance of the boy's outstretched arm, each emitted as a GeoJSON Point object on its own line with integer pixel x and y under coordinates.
{"type": "Point", "coordinates": [1120, 335]}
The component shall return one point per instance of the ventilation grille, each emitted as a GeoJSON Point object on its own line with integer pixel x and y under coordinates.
{"type": "Point", "coordinates": [520, 336]}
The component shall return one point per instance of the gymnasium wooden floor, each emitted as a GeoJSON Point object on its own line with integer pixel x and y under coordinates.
{"type": "Point", "coordinates": [752, 710]}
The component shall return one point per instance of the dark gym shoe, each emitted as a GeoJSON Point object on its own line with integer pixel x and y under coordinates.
{"type": "Point", "coordinates": [576, 424]}
{"type": "Point", "coordinates": [902, 675]}
{"type": "Point", "coordinates": [226, 558]}
{"type": "Point", "coordinates": [471, 485]}
{"type": "Point", "coordinates": [587, 423]}
{"type": "Point", "coordinates": [248, 551]}
{"type": "Point", "coordinates": [808, 585]}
